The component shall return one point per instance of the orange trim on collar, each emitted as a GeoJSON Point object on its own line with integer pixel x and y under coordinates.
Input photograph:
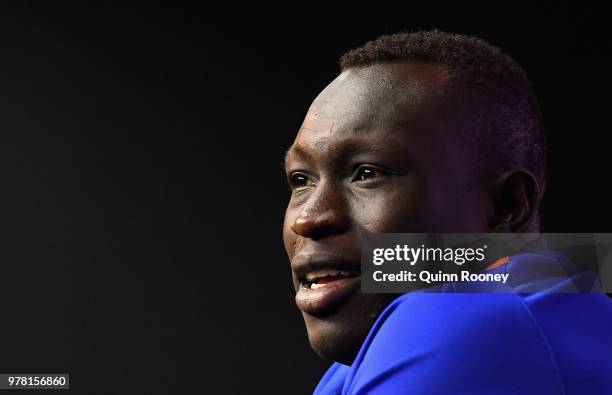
{"type": "Point", "coordinates": [498, 263]}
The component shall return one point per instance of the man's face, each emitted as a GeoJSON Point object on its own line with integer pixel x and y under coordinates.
{"type": "Point", "coordinates": [375, 153]}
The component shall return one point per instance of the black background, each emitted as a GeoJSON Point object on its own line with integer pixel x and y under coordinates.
{"type": "Point", "coordinates": [142, 184]}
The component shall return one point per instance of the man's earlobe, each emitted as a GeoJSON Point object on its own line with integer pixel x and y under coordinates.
{"type": "Point", "coordinates": [515, 197]}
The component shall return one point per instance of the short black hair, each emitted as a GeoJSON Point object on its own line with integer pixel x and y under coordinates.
{"type": "Point", "coordinates": [502, 104]}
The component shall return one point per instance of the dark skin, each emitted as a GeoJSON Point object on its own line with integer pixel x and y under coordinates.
{"type": "Point", "coordinates": [377, 153]}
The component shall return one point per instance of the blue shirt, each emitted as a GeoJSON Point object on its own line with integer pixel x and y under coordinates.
{"type": "Point", "coordinates": [550, 341]}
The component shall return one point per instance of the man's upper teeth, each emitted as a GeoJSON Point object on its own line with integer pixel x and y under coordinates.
{"type": "Point", "coordinates": [314, 275]}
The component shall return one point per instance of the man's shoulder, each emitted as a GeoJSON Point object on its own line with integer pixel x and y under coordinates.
{"type": "Point", "coordinates": [472, 338]}
{"type": "Point", "coordinates": [462, 322]}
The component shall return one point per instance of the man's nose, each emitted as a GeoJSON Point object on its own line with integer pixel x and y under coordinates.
{"type": "Point", "coordinates": [324, 214]}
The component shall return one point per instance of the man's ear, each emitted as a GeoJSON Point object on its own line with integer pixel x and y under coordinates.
{"type": "Point", "coordinates": [515, 197]}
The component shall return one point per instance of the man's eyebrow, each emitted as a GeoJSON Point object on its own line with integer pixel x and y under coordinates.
{"type": "Point", "coordinates": [349, 147]}
{"type": "Point", "coordinates": [287, 154]}
{"type": "Point", "coordinates": [293, 151]}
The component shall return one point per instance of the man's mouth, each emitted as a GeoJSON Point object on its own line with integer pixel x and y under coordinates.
{"type": "Point", "coordinates": [325, 283]}
{"type": "Point", "coordinates": [321, 278]}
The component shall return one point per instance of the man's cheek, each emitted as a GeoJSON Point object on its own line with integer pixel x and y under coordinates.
{"type": "Point", "coordinates": [385, 213]}
{"type": "Point", "coordinates": [289, 237]}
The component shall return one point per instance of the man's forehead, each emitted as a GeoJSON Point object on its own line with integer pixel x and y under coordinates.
{"type": "Point", "coordinates": [374, 97]}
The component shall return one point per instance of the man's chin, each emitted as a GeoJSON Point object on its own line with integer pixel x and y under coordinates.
{"type": "Point", "coordinates": [338, 336]}
{"type": "Point", "coordinates": [333, 339]}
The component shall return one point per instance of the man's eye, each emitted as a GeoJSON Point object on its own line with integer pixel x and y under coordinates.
{"type": "Point", "coordinates": [298, 180]}
{"type": "Point", "coordinates": [366, 173]}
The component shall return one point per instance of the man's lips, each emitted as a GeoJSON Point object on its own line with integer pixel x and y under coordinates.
{"type": "Point", "coordinates": [325, 282]}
